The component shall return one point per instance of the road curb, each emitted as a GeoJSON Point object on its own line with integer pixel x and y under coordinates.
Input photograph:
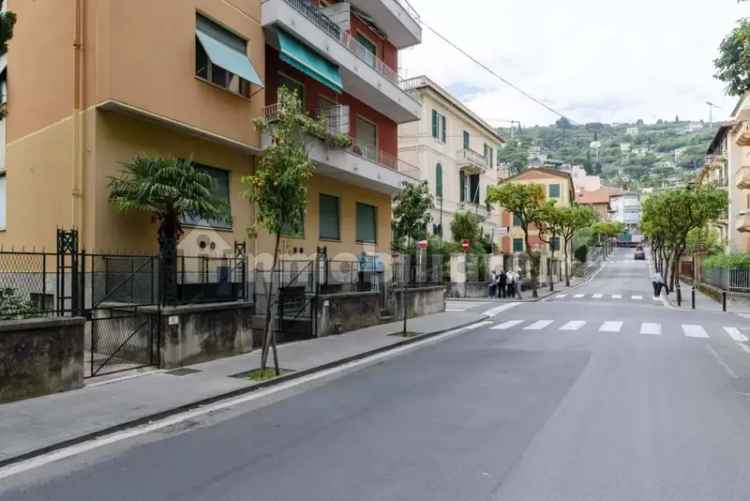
{"type": "Point", "coordinates": [225, 396]}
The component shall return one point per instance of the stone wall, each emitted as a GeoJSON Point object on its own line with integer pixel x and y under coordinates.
{"type": "Point", "coordinates": [199, 333]}
{"type": "Point", "coordinates": [419, 301]}
{"type": "Point", "coordinates": [340, 313]}
{"type": "Point", "coordinates": [40, 356]}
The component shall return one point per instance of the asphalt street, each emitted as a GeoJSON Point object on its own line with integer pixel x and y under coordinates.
{"type": "Point", "coordinates": [597, 393]}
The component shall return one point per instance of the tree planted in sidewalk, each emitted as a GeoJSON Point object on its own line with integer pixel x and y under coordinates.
{"type": "Point", "coordinates": [411, 215]}
{"type": "Point", "coordinates": [170, 189]}
{"type": "Point", "coordinates": [278, 189]}
{"type": "Point", "coordinates": [549, 224]}
{"type": "Point", "coordinates": [571, 221]}
{"type": "Point", "coordinates": [466, 226]}
{"type": "Point", "coordinates": [524, 201]}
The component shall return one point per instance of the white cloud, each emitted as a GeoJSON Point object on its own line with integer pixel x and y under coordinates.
{"type": "Point", "coordinates": [593, 60]}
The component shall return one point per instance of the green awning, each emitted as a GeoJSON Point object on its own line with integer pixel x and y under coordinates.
{"type": "Point", "coordinates": [296, 54]}
{"type": "Point", "coordinates": [228, 58]}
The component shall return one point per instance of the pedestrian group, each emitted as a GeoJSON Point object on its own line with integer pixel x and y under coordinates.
{"type": "Point", "coordinates": [505, 284]}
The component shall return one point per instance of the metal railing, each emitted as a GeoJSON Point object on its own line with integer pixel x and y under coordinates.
{"type": "Point", "coordinates": [472, 157]}
{"type": "Point", "coordinates": [203, 279]}
{"type": "Point", "coordinates": [420, 270]}
{"type": "Point", "coordinates": [27, 284]}
{"type": "Point", "coordinates": [336, 117]}
{"type": "Point", "coordinates": [410, 11]}
{"type": "Point", "coordinates": [319, 19]}
{"type": "Point", "coordinates": [728, 279]}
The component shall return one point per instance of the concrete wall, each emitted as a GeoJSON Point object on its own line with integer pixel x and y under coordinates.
{"type": "Point", "coordinates": [199, 333]}
{"type": "Point", "coordinates": [40, 356]}
{"type": "Point", "coordinates": [340, 313]}
{"type": "Point", "coordinates": [419, 301]}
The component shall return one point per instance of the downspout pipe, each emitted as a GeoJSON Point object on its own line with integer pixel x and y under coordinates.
{"type": "Point", "coordinates": [79, 99]}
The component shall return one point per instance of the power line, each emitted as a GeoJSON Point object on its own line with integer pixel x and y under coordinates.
{"type": "Point", "coordinates": [491, 71]}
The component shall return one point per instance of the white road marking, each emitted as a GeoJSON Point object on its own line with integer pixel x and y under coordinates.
{"type": "Point", "coordinates": [694, 331]}
{"type": "Point", "coordinates": [499, 309]}
{"type": "Point", "coordinates": [637, 298]}
{"type": "Point", "coordinates": [507, 325]}
{"type": "Point", "coordinates": [578, 296]}
{"type": "Point", "coordinates": [616, 296]}
{"type": "Point", "coordinates": [610, 326]}
{"type": "Point", "coordinates": [561, 296]}
{"type": "Point", "coordinates": [735, 334]}
{"type": "Point", "coordinates": [573, 325]}
{"type": "Point", "coordinates": [657, 298]}
{"type": "Point", "coordinates": [538, 325]}
{"type": "Point", "coordinates": [721, 362]}
{"type": "Point", "coordinates": [651, 329]}
{"type": "Point", "coordinates": [597, 296]}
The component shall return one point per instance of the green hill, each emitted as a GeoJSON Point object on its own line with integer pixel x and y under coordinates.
{"type": "Point", "coordinates": [632, 156]}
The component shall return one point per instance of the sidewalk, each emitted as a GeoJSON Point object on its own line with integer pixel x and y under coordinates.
{"type": "Point", "coordinates": [704, 302]}
{"type": "Point", "coordinates": [30, 427]}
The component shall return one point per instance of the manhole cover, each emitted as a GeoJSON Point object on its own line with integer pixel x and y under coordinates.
{"type": "Point", "coordinates": [183, 371]}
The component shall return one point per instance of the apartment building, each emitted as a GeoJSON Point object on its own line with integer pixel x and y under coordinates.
{"type": "Point", "coordinates": [456, 153]}
{"type": "Point", "coordinates": [341, 59]}
{"type": "Point", "coordinates": [92, 83]}
{"type": "Point", "coordinates": [715, 171]}
{"type": "Point", "coordinates": [626, 209]}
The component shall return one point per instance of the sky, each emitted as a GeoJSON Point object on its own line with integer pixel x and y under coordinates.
{"type": "Point", "coordinates": [592, 60]}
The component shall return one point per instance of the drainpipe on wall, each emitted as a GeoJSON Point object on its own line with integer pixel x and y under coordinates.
{"type": "Point", "coordinates": [79, 94]}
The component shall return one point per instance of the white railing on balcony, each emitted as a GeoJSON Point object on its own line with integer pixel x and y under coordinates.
{"type": "Point", "coordinates": [472, 157]}
{"type": "Point", "coordinates": [336, 117]}
{"type": "Point", "coordinates": [409, 10]}
{"type": "Point", "coordinates": [318, 18]}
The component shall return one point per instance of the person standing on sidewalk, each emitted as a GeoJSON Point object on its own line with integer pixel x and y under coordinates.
{"type": "Point", "coordinates": [502, 283]}
{"type": "Point", "coordinates": [519, 285]}
{"type": "Point", "coordinates": [658, 282]}
{"type": "Point", "coordinates": [493, 285]}
{"type": "Point", "coordinates": [511, 284]}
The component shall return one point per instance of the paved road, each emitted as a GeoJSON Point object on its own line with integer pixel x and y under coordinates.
{"type": "Point", "coordinates": [567, 399]}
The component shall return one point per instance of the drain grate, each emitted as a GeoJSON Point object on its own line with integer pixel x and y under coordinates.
{"type": "Point", "coordinates": [183, 371]}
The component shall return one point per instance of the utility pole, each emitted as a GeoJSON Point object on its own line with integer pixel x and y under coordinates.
{"type": "Point", "coordinates": [711, 107]}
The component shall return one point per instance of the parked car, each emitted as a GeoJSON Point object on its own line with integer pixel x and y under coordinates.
{"type": "Point", "coordinates": [640, 254]}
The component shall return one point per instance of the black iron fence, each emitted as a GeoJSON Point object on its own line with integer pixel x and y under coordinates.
{"type": "Point", "coordinates": [421, 270]}
{"type": "Point", "coordinates": [202, 279]}
{"type": "Point", "coordinates": [728, 279]}
{"type": "Point", "coordinates": [27, 284]}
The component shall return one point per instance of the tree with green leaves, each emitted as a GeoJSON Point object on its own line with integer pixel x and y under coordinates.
{"type": "Point", "coordinates": [411, 214]}
{"type": "Point", "coordinates": [7, 22]}
{"type": "Point", "coordinates": [573, 220]}
{"type": "Point", "coordinates": [733, 63]}
{"type": "Point", "coordinates": [515, 154]}
{"type": "Point", "coordinates": [170, 189]}
{"type": "Point", "coordinates": [466, 226]}
{"type": "Point", "coordinates": [278, 189]}
{"type": "Point", "coordinates": [524, 201]}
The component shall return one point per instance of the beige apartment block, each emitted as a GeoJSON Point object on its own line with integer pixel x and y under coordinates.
{"type": "Point", "coordinates": [455, 151]}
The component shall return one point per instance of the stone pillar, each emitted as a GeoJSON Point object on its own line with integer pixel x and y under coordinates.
{"type": "Point", "coordinates": [458, 275]}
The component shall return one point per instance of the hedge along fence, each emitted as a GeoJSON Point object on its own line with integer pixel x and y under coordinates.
{"type": "Point", "coordinates": [730, 272]}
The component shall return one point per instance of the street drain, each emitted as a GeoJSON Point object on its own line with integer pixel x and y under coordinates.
{"type": "Point", "coordinates": [183, 371]}
{"type": "Point", "coordinates": [257, 375]}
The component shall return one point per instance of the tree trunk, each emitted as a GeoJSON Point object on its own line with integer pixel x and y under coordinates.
{"type": "Point", "coordinates": [168, 230]}
{"type": "Point", "coordinates": [534, 265]}
{"type": "Point", "coordinates": [268, 331]}
{"type": "Point", "coordinates": [567, 271]}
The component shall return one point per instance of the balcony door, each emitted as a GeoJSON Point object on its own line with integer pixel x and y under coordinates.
{"type": "Point", "coordinates": [369, 50]}
{"type": "Point", "coordinates": [367, 138]}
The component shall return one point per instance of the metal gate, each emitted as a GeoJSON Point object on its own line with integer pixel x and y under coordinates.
{"type": "Point", "coordinates": [119, 297]}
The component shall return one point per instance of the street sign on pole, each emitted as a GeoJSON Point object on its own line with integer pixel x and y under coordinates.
{"type": "Point", "coordinates": [465, 245]}
{"type": "Point", "coordinates": [422, 244]}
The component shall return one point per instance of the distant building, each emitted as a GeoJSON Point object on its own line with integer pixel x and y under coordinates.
{"type": "Point", "coordinates": [626, 209]}
{"type": "Point", "coordinates": [598, 200]}
{"type": "Point", "coordinates": [624, 147]}
{"type": "Point", "coordinates": [632, 131]}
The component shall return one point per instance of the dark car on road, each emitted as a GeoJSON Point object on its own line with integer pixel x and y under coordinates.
{"type": "Point", "coordinates": [639, 255]}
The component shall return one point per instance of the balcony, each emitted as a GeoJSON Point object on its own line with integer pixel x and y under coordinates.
{"type": "Point", "coordinates": [743, 137]}
{"type": "Point", "coordinates": [743, 221]}
{"type": "Point", "coordinates": [743, 177]}
{"type": "Point", "coordinates": [396, 18]}
{"type": "Point", "coordinates": [472, 160]}
{"type": "Point", "coordinates": [359, 165]}
{"type": "Point", "coordinates": [364, 76]}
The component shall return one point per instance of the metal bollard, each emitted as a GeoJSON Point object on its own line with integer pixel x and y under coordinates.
{"type": "Point", "coordinates": [724, 301]}
{"type": "Point", "coordinates": [692, 292]}
{"type": "Point", "coordinates": [679, 296]}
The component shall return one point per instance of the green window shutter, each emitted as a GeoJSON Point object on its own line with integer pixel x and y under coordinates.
{"type": "Point", "coordinates": [220, 190]}
{"type": "Point", "coordinates": [467, 140]}
{"type": "Point", "coordinates": [366, 223]}
{"type": "Point", "coordinates": [474, 188]}
{"type": "Point", "coordinates": [555, 244]}
{"type": "Point", "coordinates": [462, 184]}
{"type": "Point", "coordinates": [554, 191]}
{"type": "Point", "coordinates": [439, 180]}
{"type": "Point", "coordinates": [516, 220]}
{"type": "Point", "coordinates": [518, 245]}
{"type": "Point", "coordinates": [445, 126]}
{"type": "Point", "coordinates": [329, 217]}
{"type": "Point", "coordinates": [435, 124]}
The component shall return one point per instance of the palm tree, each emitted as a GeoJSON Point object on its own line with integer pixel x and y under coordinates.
{"type": "Point", "coordinates": [170, 189]}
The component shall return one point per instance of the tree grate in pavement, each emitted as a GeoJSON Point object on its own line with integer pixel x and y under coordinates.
{"type": "Point", "coordinates": [182, 371]}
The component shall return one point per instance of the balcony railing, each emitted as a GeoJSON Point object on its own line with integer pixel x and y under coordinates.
{"type": "Point", "coordinates": [317, 17]}
{"type": "Point", "coordinates": [336, 117]}
{"type": "Point", "coordinates": [384, 159]}
{"type": "Point", "coordinates": [470, 157]}
{"type": "Point", "coordinates": [409, 10]}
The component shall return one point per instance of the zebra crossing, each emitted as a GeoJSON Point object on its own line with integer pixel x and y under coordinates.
{"type": "Point", "coordinates": [607, 297]}
{"type": "Point", "coordinates": [619, 326]}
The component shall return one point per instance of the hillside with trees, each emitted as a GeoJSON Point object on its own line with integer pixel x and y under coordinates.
{"type": "Point", "coordinates": [633, 156]}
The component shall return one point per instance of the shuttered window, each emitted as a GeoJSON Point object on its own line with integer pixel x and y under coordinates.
{"type": "Point", "coordinates": [462, 185]}
{"type": "Point", "coordinates": [329, 218]}
{"type": "Point", "coordinates": [366, 223]}
{"type": "Point", "coordinates": [518, 245]}
{"type": "Point", "coordinates": [467, 140]}
{"type": "Point", "coordinates": [554, 191]}
{"type": "Point", "coordinates": [220, 190]}
{"type": "Point", "coordinates": [439, 180]}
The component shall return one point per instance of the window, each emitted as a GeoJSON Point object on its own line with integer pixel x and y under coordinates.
{"type": "Point", "coordinates": [518, 245]}
{"type": "Point", "coordinates": [3, 200]}
{"type": "Point", "coordinates": [329, 217]}
{"type": "Point", "coordinates": [221, 58]}
{"type": "Point", "coordinates": [367, 138]}
{"type": "Point", "coordinates": [437, 229]}
{"type": "Point", "coordinates": [220, 190]}
{"type": "Point", "coordinates": [554, 191]}
{"type": "Point", "coordinates": [487, 153]}
{"type": "Point", "coordinates": [554, 244]}
{"type": "Point", "coordinates": [293, 85]}
{"type": "Point", "coordinates": [370, 52]}
{"type": "Point", "coordinates": [462, 185]}
{"type": "Point", "coordinates": [439, 124]}
{"type": "Point", "coordinates": [366, 223]}
{"type": "Point", "coordinates": [439, 180]}
{"type": "Point", "coordinates": [516, 220]}
{"type": "Point", "coordinates": [474, 188]}
{"type": "Point", "coordinates": [467, 140]}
